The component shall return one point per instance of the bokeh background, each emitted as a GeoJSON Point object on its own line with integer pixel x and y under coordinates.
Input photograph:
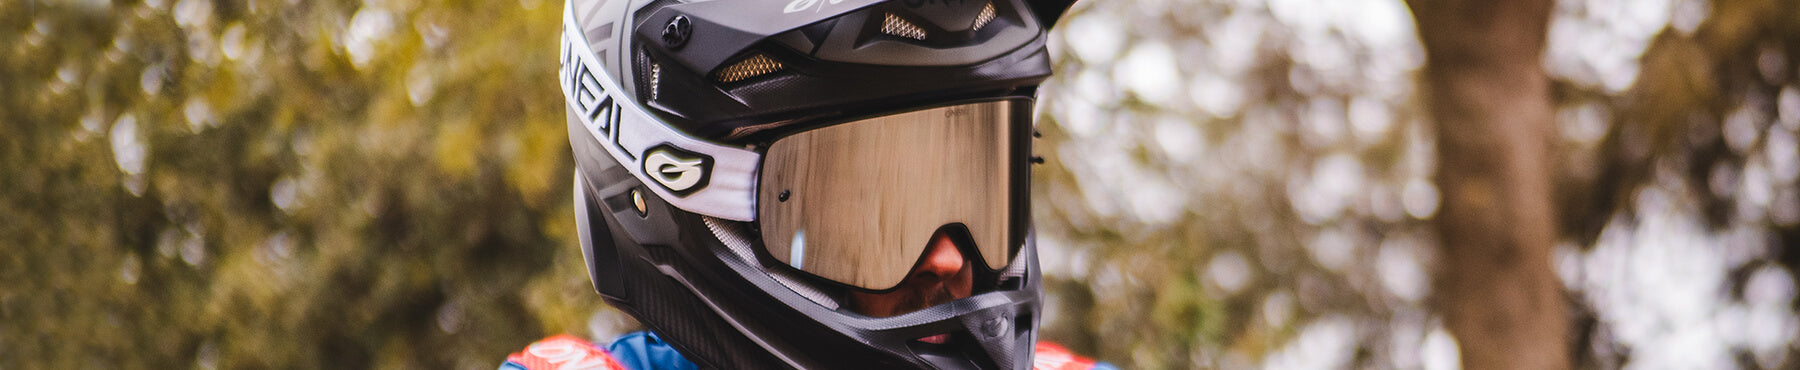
{"type": "Point", "coordinates": [1229, 184]}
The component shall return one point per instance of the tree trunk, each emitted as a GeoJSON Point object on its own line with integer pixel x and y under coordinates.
{"type": "Point", "coordinates": [1490, 101]}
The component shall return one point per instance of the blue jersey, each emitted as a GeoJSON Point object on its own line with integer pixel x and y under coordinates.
{"type": "Point", "coordinates": [645, 351]}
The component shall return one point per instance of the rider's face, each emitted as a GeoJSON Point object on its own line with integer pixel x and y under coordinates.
{"type": "Point", "coordinates": [942, 275]}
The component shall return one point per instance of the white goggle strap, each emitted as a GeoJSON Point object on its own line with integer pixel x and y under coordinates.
{"type": "Point", "coordinates": [692, 174]}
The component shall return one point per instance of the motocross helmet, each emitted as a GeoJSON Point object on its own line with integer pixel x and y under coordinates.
{"type": "Point", "coordinates": [743, 164]}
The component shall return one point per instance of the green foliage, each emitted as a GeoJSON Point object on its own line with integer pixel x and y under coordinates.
{"type": "Point", "coordinates": [336, 183]}
{"type": "Point", "coordinates": [283, 184]}
{"type": "Point", "coordinates": [1260, 200]}
{"type": "Point", "coordinates": [1226, 183]}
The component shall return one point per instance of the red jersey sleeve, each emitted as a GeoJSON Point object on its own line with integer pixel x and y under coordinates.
{"type": "Point", "coordinates": [1054, 357]}
{"type": "Point", "coordinates": [562, 352]}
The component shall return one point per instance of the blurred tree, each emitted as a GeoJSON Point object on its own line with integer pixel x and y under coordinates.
{"type": "Point", "coordinates": [1228, 184]}
{"type": "Point", "coordinates": [1238, 184]}
{"type": "Point", "coordinates": [1490, 106]}
{"type": "Point", "coordinates": [1264, 206]}
{"type": "Point", "coordinates": [302, 184]}
{"type": "Point", "coordinates": [1706, 130]}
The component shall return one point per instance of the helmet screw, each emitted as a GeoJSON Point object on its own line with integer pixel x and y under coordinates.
{"type": "Point", "coordinates": [783, 196]}
{"type": "Point", "coordinates": [994, 328]}
{"type": "Point", "coordinates": [637, 200]}
{"type": "Point", "coordinates": [676, 33]}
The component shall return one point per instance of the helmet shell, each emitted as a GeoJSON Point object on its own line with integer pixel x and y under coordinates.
{"type": "Point", "coordinates": [735, 74]}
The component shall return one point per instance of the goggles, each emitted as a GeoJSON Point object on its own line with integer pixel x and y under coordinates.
{"type": "Point", "coordinates": [857, 202]}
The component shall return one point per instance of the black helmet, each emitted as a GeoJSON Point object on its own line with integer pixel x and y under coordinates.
{"type": "Point", "coordinates": [743, 164]}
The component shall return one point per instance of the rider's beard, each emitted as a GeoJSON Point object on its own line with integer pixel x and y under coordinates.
{"type": "Point", "coordinates": [919, 300]}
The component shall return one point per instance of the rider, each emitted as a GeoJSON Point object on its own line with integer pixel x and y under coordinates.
{"type": "Point", "coordinates": [807, 183]}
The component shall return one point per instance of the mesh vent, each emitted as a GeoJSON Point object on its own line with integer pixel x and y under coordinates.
{"type": "Point", "coordinates": [811, 293]}
{"type": "Point", "coordinates": [733, 236]}
{"type": "Point", "coordinates": [755, 65]}
{"type": "Point", "coordinates": [987, 15]}
{"type": "Point", "coordinates": [655, 80]}
{"type": "Point", "coordinates": [893, 25]}
{"type": "Point", "coordinates": [641, 73]}
{"type": "Point", "coordinates": [1016, 269]}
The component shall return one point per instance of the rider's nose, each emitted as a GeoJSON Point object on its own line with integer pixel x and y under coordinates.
{"type": "Point", "coordinates": [942, 260]}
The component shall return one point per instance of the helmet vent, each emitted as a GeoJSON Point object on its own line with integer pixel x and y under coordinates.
{"type": "Point", "coordinates": [894, 25]}
{"type": "Point", "coordinates": [1015, 270]}
{"type": "Point", "coordinates": [755, 65]}
{"type": "Point", "coordinates": [655, 79]}
{"type": "Point", "coordinates": [987, 15]}
{"type": "Point", "coordinates": [733, 236]}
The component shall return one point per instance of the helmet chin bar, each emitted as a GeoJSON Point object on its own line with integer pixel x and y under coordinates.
{"type": "Point", "coordinates": [753, 320]}
{"type": "Point", "coordinates": [1000, 322]}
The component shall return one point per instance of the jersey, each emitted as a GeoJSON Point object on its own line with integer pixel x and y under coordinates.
{"type": "Point", "coordinates": [645, 351]}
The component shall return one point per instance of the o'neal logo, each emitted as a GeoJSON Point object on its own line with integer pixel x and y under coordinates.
{"type": "Point", "coordinates": [588, 98]}
{"type": "Point", "coordinates": [680, 171]}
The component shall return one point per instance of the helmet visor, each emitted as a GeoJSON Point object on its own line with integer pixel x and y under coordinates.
{"type": "Point", "coordinates": [857, 203]}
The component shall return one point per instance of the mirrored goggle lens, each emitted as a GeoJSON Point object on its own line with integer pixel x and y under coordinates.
{"type": "Point", "coordinates": [858, 202]}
